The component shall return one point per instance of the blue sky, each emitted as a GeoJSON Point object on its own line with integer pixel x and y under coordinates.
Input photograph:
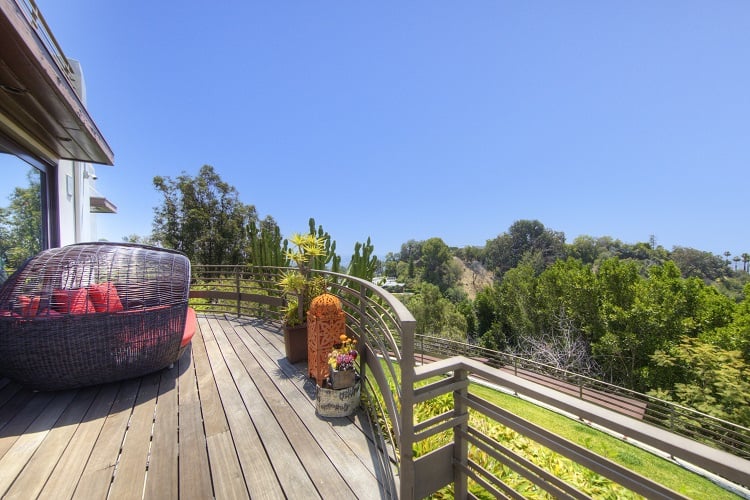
{"type": "Point", "coordinates": [408, 120]}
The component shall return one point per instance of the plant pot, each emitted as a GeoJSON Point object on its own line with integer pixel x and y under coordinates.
{"type": "Point", "coordinates": [337, 403]}
{"type": "Point", "coordinates": [295, 342]}
{"type": "Point", "coordinates": [341, 379]}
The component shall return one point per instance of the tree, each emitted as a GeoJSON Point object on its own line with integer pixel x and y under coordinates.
{"type": "Point", "coordinates": [736, 334]}
{"type": "Point", "coordinates": [568, 290]}
{"type": "Point", "coordinates": [203, 217]}
{"type": "Point", "coordinates": [703, 265]}
{"type": "Point", "coordinates": [21, 223]}
{"type": "Point", "coordinates": [565, 349]}
{"type": "Point", "coordinates": [585, 249]}
{"type": "Point", "coordinates": [523, 236]}
{"type": "Point", "coordinates": [705, 377]}
{"type": "Point", "coordinates": [141, 240]}
{"type": "Point", "coordinates": [436, 315]}
{"type": "Point", "coordinates": [437, 264]}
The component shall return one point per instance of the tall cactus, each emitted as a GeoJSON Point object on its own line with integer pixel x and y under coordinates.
{"type": "Point", "coordinates": [365, 264]}
{"type": "Point", "coordinates": [320, 262]}
{"type": "Point", "coordinates": [267, 248]}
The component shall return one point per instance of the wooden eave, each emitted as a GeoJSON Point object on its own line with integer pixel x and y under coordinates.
{"type": "Point", "coordinates": [40, 110]}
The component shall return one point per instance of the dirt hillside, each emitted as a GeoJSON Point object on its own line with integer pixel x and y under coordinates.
{"type": "Point", "coordinates": [473, 281]}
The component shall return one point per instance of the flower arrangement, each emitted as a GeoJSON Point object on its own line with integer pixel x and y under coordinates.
{"type": "Point", "coordinates": [344, 354]}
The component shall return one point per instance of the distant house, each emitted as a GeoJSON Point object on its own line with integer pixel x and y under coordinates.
{"type": "Point", "coordinates": [388, 283]}
{"type": "Point", "coordinates": [44, 123]}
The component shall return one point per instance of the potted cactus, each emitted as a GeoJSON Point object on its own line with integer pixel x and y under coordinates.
{"type": "Point", "coordinates": [300, 287]}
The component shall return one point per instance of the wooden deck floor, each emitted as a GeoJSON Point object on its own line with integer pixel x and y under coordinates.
{"type": "Point", "coordinates": [233, 419]}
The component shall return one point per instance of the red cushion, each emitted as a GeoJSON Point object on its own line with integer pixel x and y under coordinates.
{"type": "Point", "coordinates": [105, 298]}
{"type": "Point", "coordinates": [75, 301]}
{"type": "Point", "coordinates": [29, 305]}
{"type": "Point", "coordinates": [190, 324]}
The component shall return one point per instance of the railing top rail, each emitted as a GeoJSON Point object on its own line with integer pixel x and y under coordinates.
{"type": "Point", "coordinates": [39, 24]}
{"type": "Point", "coordinates": [596, 383]}
{"type": "Point", "coordinates": [402, 313]}
{"type": "Point", "coordinates": [718, 461]}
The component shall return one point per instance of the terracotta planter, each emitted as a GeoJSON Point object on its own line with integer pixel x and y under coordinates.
{"type": "Point", "coordinates": [295, 342]}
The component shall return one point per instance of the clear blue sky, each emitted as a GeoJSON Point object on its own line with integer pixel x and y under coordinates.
{"type": "Point", "coordinates": [408, 120]}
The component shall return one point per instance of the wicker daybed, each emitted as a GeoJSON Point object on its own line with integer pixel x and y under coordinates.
{"type": "Point", "coordinates": [92, 313]}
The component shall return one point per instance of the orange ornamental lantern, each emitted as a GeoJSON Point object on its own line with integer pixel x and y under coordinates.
{"type": "Point", "coordinates": [325, 325]}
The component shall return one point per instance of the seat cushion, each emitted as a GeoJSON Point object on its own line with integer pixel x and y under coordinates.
{"type": "Point", "coordinates": [191, 323]}
{"type": "Point", "coordinates": [75, 301]}
{"type": "Point", "coordinates": [105, 298]}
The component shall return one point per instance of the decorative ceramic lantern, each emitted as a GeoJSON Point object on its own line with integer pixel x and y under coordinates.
{"type": "Point", "coordinates": [325, 325]}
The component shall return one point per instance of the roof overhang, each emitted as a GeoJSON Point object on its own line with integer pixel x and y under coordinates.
{"type": "Point", "coordinates": [101, 205]}
{"type": "Point", "coordinates": [40, 110]}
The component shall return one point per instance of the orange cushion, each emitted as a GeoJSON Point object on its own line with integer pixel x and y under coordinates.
{"type": "Point", "coordinates": [105, 298]}
{"type": "Point", "coordinates": [75, 301]}
{"type": "Point", "coordinates": [190, 324]}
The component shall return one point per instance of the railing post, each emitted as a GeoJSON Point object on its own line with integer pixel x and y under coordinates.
{"type": "Point", "coordinates": [406, 445]}
{"type": "Point", "coordinates": [363, 341]}
{"type": "Point", "coordinates": [237, 274]}
{"type": "Point", "coordinates": [460, 445]}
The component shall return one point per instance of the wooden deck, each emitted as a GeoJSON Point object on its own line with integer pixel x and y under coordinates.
{"type": "Point", "coordinates": [233, 419]}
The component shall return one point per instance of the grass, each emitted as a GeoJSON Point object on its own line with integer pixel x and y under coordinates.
{"type": "Point", "coordinates": [647, 464]}
{"type": "Point", "coordinates": [636, 459]}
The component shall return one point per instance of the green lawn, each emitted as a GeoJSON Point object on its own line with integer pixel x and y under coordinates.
{"type": "Point", "coordinates": [636, 459]}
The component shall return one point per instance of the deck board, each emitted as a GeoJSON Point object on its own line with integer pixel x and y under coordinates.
{"type": "Point", "coordinates": [194, 472]}
{"type": "Point", "coordinates": [161, 478]}
{"type": "Point", "coordinates": [232, 419]}
{"type": "Point", "coordinates": [64, 479]}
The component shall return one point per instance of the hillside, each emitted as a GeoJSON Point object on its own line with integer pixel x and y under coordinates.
{"type": "Point", "coordinates": [473, 281]}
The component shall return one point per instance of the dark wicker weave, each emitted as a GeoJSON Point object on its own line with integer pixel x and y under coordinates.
{"type": "Point", "coordinates": [49, 350]}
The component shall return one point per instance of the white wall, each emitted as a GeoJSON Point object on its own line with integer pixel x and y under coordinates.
{"type": "Point", "coordinates": [76, 183]}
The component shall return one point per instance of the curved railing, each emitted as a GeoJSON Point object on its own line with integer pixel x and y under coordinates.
{"type": "Point", "coordinates": [373, 316]}
{"type": "Point", "coordinates": [394, 386]}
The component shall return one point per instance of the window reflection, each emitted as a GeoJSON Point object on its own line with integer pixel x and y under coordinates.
{"type": "Point", "coordinates": [20, 213]}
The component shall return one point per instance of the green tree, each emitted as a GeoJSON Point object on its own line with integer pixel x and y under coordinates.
{"type": "Point", "coordinates": [436, 315]}
{"type": "Point", "coordinates": [585, 249]}
{"type": "Point", "coordinates": [141, 240]}
{"type": "Point", "coordinates": [523, 236]}
{"type": "Point", "coordinates": [21, 223]}
{"type": "Point", "coordinates": [437, 264]}
{"type": "Point", "coordinates": [703, 265]}
{"type": "Point", "coordinates": [736, 334]}
{"type": "Point", "coordinates": [203, 217]}
{"type": "Point", "coordinates": [517, 312]}
{"type": "Point", "coordinates": [568, 289]}
{"type": "Point", "coordinates": [705, 377]}
{"type": "Point", "coordinates": [486, 307]}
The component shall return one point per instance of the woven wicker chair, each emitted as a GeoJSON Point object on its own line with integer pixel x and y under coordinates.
{"type": "Point", "coordinates": [92, 313]}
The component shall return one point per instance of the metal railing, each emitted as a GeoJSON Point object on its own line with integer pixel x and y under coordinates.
{"type": "Point", "coordinates": [37, 22]}
{"type": "Point", "coordinates": [669, 415]}
{"type": "Point", "coordinates": [394, 386]}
